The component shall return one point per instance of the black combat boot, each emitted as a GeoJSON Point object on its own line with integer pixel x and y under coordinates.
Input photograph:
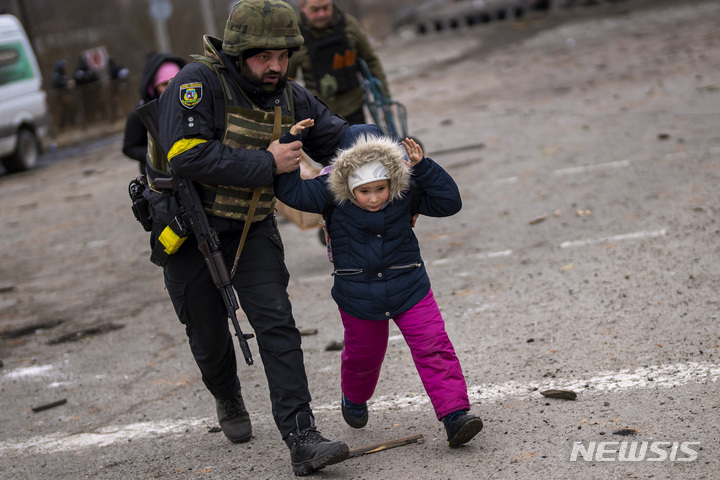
{"type": "Point", "coordinates": [461, 427]}
{"type": "Point", "coordinates": [234, 419]}
{"type": "Point", "coordinates": [310, 451]}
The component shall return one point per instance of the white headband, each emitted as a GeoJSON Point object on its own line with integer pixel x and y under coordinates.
{"type": "Point", "coordinates": [370, 172]}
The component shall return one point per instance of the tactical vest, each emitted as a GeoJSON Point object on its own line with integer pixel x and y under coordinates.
{"type": "Point", "coordinates": [157, 162]}
{"type": "Point", "coordinates": [245, 127]}
{"type": "Point", "coordinates": [334, 64]}
{"type": "Point", "coordinates": [251, 128]}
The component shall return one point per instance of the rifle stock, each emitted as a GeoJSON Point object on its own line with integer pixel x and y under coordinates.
{"type": "Point", "coordinates": [194, 216]}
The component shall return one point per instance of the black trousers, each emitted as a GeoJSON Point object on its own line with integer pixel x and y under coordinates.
{"type": "Point", "coordinates": [261, 283]}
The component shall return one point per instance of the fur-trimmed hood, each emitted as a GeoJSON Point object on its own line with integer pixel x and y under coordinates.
{"type": "Point", "coordinates": [368, 149]}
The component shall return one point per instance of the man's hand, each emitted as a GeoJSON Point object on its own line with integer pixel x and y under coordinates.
{"type": "Point", "coordinates": [287, 155]}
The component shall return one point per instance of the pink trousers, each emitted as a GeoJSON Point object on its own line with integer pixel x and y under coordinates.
{"type": "Point", "coordinates": [434, 356]}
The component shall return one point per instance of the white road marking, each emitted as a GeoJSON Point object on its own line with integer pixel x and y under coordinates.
{"type": "Point", "coordinates": [476, 256]}
{"type": "Point", "coordinates": [568, 244]}
{"type": "Point", "coordinates": [661, 376]}
{"type": "Point", "coordinates": [591, 168]}
{"type": "Point", "coordinates": [64, 442]}
{"type": "Point", "coordinates": [480, 256]}
{"type": "Point", "coordinates": [34, 371]}
{"type": "Point", "coordinates": [616, 238]}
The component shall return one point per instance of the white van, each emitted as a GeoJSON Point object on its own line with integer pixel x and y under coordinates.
{"type": "Point", "coordinates": [24, 117]}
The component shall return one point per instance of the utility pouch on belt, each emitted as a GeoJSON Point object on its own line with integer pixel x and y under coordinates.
{"type": "Point", "coordinates": [169, 242]}
{"type": "Point", "coordinates": [139, 203]}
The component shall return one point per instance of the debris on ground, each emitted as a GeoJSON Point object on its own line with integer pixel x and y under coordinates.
{"type": "Point", "coordinates": [557, 393]}
{"type": "Point", "coordinates": [50, 405]}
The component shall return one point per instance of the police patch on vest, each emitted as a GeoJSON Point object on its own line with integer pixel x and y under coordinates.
{"type": "Point", "coordinates": [191, 94]}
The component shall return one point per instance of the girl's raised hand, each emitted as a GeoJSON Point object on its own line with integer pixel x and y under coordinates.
{"type": "Point", "coordinates": [413, 150]}
{"type": "Point", "coordinates": [302, 125]}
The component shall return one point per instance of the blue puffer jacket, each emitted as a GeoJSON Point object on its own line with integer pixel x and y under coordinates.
{"type": "Point", "coordinates": [378, 269]}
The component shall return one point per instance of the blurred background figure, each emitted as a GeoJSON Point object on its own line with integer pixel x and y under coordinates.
{"type": "Point", "coordinates": [159, 69]}
{"type": "Point", "coordinates": [60, 78]}
{"type": "Point", "coordinates": [117, 86]}
{"type": "Point", "coordinates": [334, 41]}
{"type": "Point", "coordinates": [117, 70]}
{"type": "Point", "coordinates": [89, 91]}
{"type": "Point", "coordinates": [83, 73]}
{"type": "Point", "coordinates": [63, 96]}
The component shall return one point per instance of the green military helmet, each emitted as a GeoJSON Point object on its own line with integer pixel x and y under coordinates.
{"type": "Point", "coordinates": [265, 24]}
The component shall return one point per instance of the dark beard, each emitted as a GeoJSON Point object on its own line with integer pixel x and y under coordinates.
{"type": "Point", "coordinates": [256, 81]}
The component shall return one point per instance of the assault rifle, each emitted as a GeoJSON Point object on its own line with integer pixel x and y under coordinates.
{"type": "Point", "coordinates": [194, 218]}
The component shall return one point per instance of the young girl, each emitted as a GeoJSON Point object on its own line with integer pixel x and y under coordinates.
{"type": "Point", "coordinates": [379, 273]}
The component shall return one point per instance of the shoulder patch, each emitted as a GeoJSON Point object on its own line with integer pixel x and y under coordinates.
{"type": "Point", "coordinates": [191, 94]}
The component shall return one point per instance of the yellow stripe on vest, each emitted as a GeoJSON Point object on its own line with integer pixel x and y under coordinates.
{"type": "Point", "coordinates": [183, 146]}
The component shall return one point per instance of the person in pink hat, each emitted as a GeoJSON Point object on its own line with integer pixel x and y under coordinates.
{"type": "Point", "coordinates": [159, 69]}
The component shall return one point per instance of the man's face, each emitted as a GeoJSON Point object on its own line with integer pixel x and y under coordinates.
{"type": "Point", "coordinates": [318, 12]}
{"type": "Point", "coordinates": [267, 68]}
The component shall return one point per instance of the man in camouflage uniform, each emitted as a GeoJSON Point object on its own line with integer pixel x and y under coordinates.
{"type": "Point", "coordinates": [219, 120]}
{"type": "Point", "coordinates": [334, 41]}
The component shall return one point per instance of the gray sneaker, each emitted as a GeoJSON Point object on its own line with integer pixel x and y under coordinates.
{"type": "Point", "coordinates": [310, 451]}
{"type": "Point", "coordinates": [234, 419]}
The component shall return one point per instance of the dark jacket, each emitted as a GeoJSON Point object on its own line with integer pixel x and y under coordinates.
{"type": "Point", "coordinates": [135, 138]}
{"type": "Point", "coordinates": [378, 269]}
{"type": "Point", "coordinates": [211, 162]}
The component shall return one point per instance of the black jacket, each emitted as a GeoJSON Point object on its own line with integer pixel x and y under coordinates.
{"type": "Point", "coordinates": [135, 139]}
{"type": "Point", "coordinates": [214, 163]}
{"type": "Point", "coordinates": [378, 270]}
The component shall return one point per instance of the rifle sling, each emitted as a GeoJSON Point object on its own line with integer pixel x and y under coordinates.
{"type": "Point", "coordinates": [256, 194]}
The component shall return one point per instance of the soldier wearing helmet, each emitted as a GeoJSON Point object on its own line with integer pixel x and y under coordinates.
{"type": "Point", "coordinates": [329, 57]}
{"type": "Point", "coordinates": [220, 120]}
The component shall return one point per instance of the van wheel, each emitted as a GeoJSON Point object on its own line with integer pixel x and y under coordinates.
{"type": "Point", "coordinates": [26, 153]}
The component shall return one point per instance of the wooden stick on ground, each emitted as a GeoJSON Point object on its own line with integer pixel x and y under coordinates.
{"type": "Point", "coordinates": [57, 403]}
{"type": "Point", "coordinates": [398, 442]}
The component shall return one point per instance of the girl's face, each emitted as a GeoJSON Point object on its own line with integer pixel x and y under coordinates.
{"type": "Point", "coordinates": [372, 196]}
